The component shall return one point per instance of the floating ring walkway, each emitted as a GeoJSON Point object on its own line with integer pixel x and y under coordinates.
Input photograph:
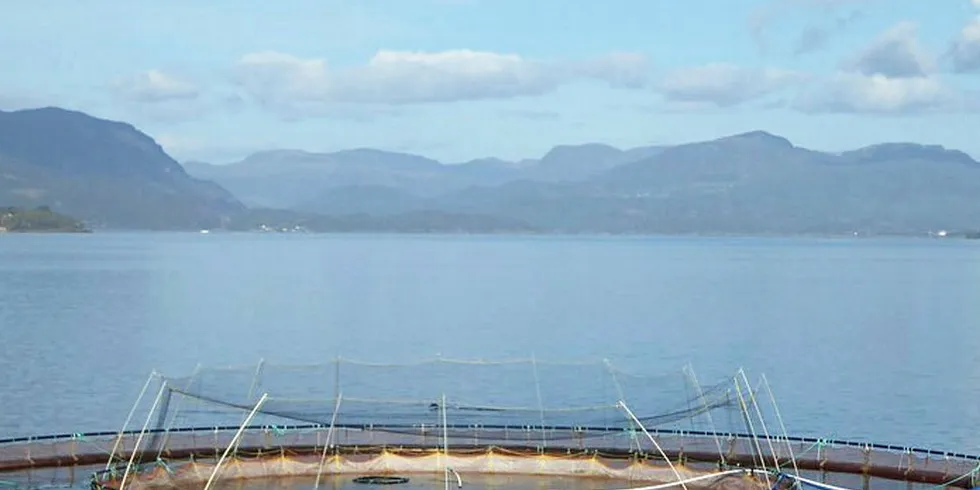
{"type": "Point", "coordinates": [696, 449]}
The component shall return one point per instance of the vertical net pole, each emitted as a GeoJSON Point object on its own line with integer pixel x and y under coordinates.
{"type": "Point", "coordinates": [177, 407]}
{"type": "Point", "coordinates": [336, 378]}
{"type": "Point", "coordinates": [255, 384]}
{"type": "Point", "coordinates": [762, 420]}
{"type": "Point", "coordinates": [445, 442]}
{"type": "Point", "coordinates": [632, 416]}
{"type": "Point", "coordinates": [751, 427]}
{"type": "Point", "coordinates": [782, 426]}
{"type": "Point", "coordinates": [634, 439]}
{"type": "Point", "coordinates": [687, 397]}
{"type": "Point", "coordinates": [255, 379]}
{"type": "Point", "coordinates": [129, 418]}
{"type": "Point", "coordinates": [161, 421]}
{"type": "Point", "coordinates": [537, 390]}
{"type": "Point", "coordinates": [328, 443]}
{"type": "Point", "coordinates": [139, 439]}
{"type": "Point", "coordinates": [234, 441]}
{"type": "Point", "coordinates": [689, 369]}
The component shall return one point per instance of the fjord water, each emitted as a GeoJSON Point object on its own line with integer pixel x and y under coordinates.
{"type": "Point", "coordinates": [869, 339]}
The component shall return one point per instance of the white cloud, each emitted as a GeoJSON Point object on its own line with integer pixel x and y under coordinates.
{"type": "Point", "coordinates": [400, 77]}
{"type": "Point", "coordinates": [723, 84]}
{"type": "Point", "coordinates": [309, 86]}
{"type": "Point", "coordinates": [895, 53]}
{"type": "Point", "coordinates": [282, 81]}
{"type": "Point", "coordinates": [152, 86]}
{"type": "Point", "coordinates": [893, 75]}
{"type": "Point", "coordinates": [879, 94]}
{"type": "Point", "coordinates": [964, 51]}
{"type": "Point", "coordinates": [162, 97]}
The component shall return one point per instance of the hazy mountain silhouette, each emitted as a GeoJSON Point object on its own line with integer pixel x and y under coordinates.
{"type": "Point", "coordinates": [107, 173]}
{"type": "Point", "coordinates": [311, 181]}
{"type": "Point", "coordinates": [287, 178]}
{"type": "Point", "coordinates": [111, 175]}
{"type": "Point", "coordinates": [754, 182]}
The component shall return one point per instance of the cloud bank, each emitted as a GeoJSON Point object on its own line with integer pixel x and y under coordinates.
{"type": "Point", "coordinates": [154, 86]}
{"type": "Point", "coordinates": [297, 85]}
{"type": "Point", "coordinates": [892, 75]}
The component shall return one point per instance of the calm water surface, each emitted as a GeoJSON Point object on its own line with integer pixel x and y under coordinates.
{"type": "Point", "coordinates": [862, 339]}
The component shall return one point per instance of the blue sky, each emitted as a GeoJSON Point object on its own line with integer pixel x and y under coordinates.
{"type": "Point", "coordinates": [462, 79]}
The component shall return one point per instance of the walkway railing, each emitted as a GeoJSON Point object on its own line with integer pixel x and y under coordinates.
{"type": "Point", "coordinates": [902, 463]}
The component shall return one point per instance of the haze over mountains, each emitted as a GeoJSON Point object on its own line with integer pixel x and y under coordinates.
{"type": "Point", "coordinates": [299, 179]}
{"type": "Point", "coordinates": [748, 183]}
{"type": "Point", "coordinates": [110, 174]}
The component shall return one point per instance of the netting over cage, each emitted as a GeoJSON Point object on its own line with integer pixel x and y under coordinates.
{"type": "Point", "coordinates": [459, 419]}
{"type": "Point", "coordinates": [520, 393]}
{"type": "Point", "coordinates": [346, 417]}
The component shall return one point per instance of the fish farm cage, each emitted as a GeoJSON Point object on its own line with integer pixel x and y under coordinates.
{"type": "Point", "coordinates": [458, 420]}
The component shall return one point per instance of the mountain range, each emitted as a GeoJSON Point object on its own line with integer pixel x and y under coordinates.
{"type": "Point", "coordinates": [754, 183]}
{"type": "Point", "coordinates": [105, 172]}
{"type": "Point", "coordinates": [112, 175]}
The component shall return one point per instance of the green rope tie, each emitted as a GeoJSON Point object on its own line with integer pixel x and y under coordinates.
{"type": "Point", "coordinates": [819, 445]}
{"type": "Point", "coordinates": [964, 476]}
{"type": "Point", "coordinates": [166, 467]}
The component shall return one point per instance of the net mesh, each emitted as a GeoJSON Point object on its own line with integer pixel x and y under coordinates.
{"type": "Point", "coordinates": [393, 462]}
{"type": "Point", "coordinates": [520, 393]}
{"type": "Point", "coordinates": [519, 416]}
{"type": "Point", "coordinates": [513, 417]}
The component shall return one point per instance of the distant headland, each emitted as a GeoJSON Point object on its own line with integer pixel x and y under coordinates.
{"type": "Point", "coordinates": [38, 220]}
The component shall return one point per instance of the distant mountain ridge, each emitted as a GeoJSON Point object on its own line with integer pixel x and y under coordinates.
{"type": "Point", "coordinates": [754, 182]}
{"type": "Point", "coordinates": [111, 175]}
{"type": "Point", "coordinates": [295, 178]}
{"type": "Point", "coordinates": [106, 173]}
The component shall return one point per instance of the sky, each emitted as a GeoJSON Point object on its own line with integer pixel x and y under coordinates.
{"type": "Point", "coordinates": [462, 79]}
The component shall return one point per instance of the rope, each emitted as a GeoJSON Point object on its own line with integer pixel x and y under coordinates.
{"type": "Point", "coordinates": [823, 443]}
{"type": "Point", "coordinates": [819, 445]}
{"type": "Point", "coordinates": [691, 480]}
{"type": "Point", "coordinates": [968, 474]}
{"type": "Point", "coordinates": [160, 462]}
